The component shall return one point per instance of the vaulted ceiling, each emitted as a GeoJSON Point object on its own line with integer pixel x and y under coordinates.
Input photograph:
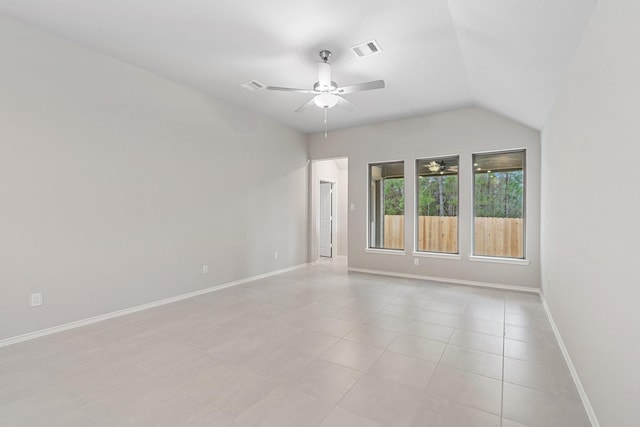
{"type": "Point", "coordinates": [508, 56]}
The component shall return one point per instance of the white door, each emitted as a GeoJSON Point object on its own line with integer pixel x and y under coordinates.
{"type": "Point", "coordinates": [325, 240]}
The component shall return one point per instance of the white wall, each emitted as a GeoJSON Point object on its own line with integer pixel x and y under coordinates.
{"type": "Point", "coordinates": [461, 132]}
{"type": "Point", "coordinates": [116, 186]}
{"type": "Point", "coordinates": [590, 216]}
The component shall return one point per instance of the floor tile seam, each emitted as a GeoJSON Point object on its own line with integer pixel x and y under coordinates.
{"type": "Point", "coordinates": [383, 379]}
{"type": "Point", "coordinates": [464, 404]}
{"type": "Point", "coordinates": [415, 336]}
{"type": "Point", "coordinates": [433, 323]}
{"type": "Point", "coordinates": [426, 338]}
{"type": "Point", "coordinates": [543, 364]}
{"type": "Point", "coordinates": [399, 317]}
{"type": "Point", "coordinates": [469, 406]}
{"type": "Point", "coordinates": [534, 341]}
{"type": "Point", "coordinates": [386, 348]}
{"type": "Point", "coordinates": [448, 313]}
{"type": "Point", "coordinates": [539, 364]}
{"type": "Point", "coordinates": [444, 363]}
{"type": "Point", "coordinates": [475, 349]}
{"type": "Point", "coordinates": [549, 393]}
{"type": "Point", "coordinates": [477, 332]}
{"type": "Point", "coordinates": [426, 387]}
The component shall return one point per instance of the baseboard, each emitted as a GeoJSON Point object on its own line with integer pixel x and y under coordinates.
{"type": "Point", "coordinates": [574, 374]}
{"type": "Point", "coordinates": [448, 280]}
{"type": "Point", "coordinates": [60, 328]}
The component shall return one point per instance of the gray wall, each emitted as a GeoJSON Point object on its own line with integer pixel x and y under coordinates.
{"type": "Point", "coordinates": [590, 216]}
{"type": "Point", "coordinates": [116, 186]}
{"type": "Point", "coordinates": [462, 132]}
{"type": "Point", "coordinates": [343, 212]}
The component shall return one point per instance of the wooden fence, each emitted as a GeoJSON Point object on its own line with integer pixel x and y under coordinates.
{"type": "Point", "coordinates": [440, 234]}
{"type": "Point", "coordinates": [499, 237]}
{"type": "Point", "coordinates": [394, 231]}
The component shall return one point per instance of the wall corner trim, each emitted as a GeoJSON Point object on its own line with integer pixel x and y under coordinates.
{"type": "Point", "coordinates": [60, 328]}
{"type": "Point", "coordinates": [574, 374]}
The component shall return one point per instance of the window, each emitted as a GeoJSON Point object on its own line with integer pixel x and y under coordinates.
{"type": "Point", "coordinates": [386, 205]}
{"type": "Point", "coordinates": [499, 204]}
{"type": "Point", "coordinates": [437, 205]}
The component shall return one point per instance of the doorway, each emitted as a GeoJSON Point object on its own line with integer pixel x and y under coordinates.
{"type": "Point", "coordinates": [325, 236]}
{"type": "Point", "coordinates": [329, 209]}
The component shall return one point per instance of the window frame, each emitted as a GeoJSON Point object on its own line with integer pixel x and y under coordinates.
{"type": "Point", "coordinates": [491, 258]}
{"type": "Point", "coordinates": [368, 247]}
{"type": "Point", "coordinates": [416, 228]}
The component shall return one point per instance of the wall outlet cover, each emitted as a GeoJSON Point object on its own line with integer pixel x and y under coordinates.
{"type": "Point", "coordinates": [36, 299]}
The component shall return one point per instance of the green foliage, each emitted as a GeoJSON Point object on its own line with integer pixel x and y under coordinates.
{"type": "Point", "coordinates": [394, 196]}
{"type": "Point", "coordinates": [499, 194]}
{"type": "Point", "coordinates": [438, 195]}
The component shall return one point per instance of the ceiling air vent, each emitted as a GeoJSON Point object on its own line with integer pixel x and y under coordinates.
{"type": "Point", "coordinates": [252, 85]}
{"type": "Point", "coordinates": [366, 49]}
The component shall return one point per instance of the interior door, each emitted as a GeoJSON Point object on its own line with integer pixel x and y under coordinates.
{"type": "Point", "coordinates": [325, 239]}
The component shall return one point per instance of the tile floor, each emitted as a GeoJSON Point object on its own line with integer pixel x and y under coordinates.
{"type": "Point", "coordinates": [313, 347]}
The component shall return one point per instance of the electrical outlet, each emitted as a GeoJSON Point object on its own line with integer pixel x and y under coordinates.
{"type": "Point", "coordinates": [416, 261]}
{"type": "Point", "coordinates": [275, 255]}
{"type": "Point", "coordinates": [36, 299]}
{"type": "Point", "coordinates": [205, 269]}
{"type": "Point", "coordinates": [352, 206]}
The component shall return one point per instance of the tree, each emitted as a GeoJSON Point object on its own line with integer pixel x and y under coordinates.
{"type": "Point", "coordinates": [438, 195]}
{"type": "Point", "coordinates": [394, 196]}
{"type": "Point", "coordinates": [499, 194]}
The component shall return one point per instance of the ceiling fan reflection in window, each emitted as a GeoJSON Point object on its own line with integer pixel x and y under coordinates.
{"type": "Point", "coordinates": [327, 92]}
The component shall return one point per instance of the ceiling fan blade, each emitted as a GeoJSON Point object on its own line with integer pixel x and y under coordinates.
{"type": "Point", "coordinates": [344, 102]}
{"type": "Point", "coordinates": [376, 84]}
{"type": "Point", "coordinates": [290, 89]}
{"type": "Point", "coordinates": [324, 75]}
{"type": "Point", "coordinates": [305, 106]}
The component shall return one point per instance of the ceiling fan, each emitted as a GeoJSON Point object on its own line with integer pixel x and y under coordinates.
{"type": "Point", "coordinates": [327, 92]}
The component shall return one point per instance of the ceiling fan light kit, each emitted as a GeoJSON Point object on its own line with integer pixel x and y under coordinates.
{"type": "Point", "coordinates": [327, 92]}
{"type": "Point", "coordinates": [326, 100]}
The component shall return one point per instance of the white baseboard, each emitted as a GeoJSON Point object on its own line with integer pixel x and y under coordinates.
{"type": "Point", "coordinates": [60, 328]}
{"type": "Point", "coordinates": [448, 280]}
{"type": "Point", "coordinates": [574, 374]}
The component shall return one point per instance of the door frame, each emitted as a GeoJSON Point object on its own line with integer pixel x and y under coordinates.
{"type": "Point", "coordinates": [333, 215]}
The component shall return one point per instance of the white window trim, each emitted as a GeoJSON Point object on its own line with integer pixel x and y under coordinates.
{"type": "Point", "coordinates": [367, 248]}
{"type": "Point", "coordinates": [385, 251]}
{"type": "Point", "coordinates": [499, 260]}
{"type": "Point", "coordinates": [525, 212]}
{"type": "Point", "coordinates": [440, 255]}
{"type": "Point", "coordinates": [425, 254]}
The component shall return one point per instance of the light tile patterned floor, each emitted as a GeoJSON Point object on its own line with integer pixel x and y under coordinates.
{"type": "Point", "coordinates": [313, 347]}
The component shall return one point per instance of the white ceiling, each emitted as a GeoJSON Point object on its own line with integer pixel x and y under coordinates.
{"type": "Point", "coordinates": [508, 56]}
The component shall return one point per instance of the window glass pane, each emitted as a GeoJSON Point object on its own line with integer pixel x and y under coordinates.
{"type": "Point", "coordinates": [437, 205]}
{"type": "Point", "coordinates": [386, 205]}
{"type": "Point", "coordinates": [499, 204]}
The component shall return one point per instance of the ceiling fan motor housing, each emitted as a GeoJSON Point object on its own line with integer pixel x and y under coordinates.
{"type": "Point", "coordinates": [317, 87]}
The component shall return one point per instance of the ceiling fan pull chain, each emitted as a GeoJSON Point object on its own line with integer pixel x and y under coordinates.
{"type": "Point", "coordinates": [325, 122]}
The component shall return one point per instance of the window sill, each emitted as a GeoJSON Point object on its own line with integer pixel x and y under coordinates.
{"type": "Point", "coordinates": [385, 251]}
{"type": "Point", "coordinates": [498, 260]}
{"type": "Point", "coordinates": [437, 255]}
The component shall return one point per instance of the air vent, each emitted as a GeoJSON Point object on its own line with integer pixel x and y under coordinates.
{"type": "Point", "coordinates": [252, 85]}
{"type": "Point", "coordinates": [366, 49]}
